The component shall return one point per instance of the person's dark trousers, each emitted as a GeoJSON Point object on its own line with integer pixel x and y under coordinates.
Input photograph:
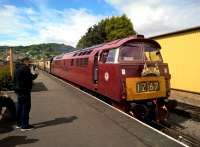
{"type": "Point", "coordinates": [23, 108]}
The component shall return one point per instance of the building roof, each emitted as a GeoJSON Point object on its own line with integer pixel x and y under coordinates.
{"type": "Point", "coordinates": [197, 28]}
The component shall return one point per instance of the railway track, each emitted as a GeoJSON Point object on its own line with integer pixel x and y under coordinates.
{"type": "Point", "coordinates": [173, 131]}
{"type": "Point", "coordinates": [175, 128]}
{"type": "Point", "coordinates": [169, 129]}
{"type": "Point", "coordinates": [188, 111]}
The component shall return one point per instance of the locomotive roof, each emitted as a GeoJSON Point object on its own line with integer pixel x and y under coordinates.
{"type": "Point", "coordinates": [104, 46]}
{"type": "Point", "coordinates": [119, 42]}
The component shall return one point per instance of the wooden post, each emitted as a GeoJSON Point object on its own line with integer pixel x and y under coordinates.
{"type": "Point", "coordinates": [11, 62]}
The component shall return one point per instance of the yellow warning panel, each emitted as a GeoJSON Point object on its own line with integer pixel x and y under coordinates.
{"type": "Point", "coordinates": [141, 88]}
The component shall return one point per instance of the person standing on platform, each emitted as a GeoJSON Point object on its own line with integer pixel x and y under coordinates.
{"type": "Point", "coordinates": [23, 79]}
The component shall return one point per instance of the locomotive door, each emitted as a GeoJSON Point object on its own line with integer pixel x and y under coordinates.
{"type": "Point", "coordinates": [109, 74]}
{"type": "Point", "coordinates": [95, 69]}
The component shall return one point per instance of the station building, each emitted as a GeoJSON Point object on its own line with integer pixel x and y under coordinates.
{"type": "Point", "coordinates": [181, 50]}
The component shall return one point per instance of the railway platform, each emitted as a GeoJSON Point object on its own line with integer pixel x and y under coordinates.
{"type": "Point", "coordinates": [67, 117]}
{"type": "Point", "coordinates": [192, 99]}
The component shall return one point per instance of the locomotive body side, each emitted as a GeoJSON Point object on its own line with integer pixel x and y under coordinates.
{"type": "Point", "coordinates": [76, 69]}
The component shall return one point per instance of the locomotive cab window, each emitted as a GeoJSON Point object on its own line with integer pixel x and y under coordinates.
{"type": "Point", "coordinates": [153, 56]}
{"type": "Point", "coordinates": [132, 52]}
{"type": "Point", "coordinates": [152, 53]}
{"type": "Point", "coordinates": [138, 51]}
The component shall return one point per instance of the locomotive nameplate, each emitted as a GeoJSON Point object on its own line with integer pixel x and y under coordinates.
{"type": "Point", "coordinates": [140, 88]}
{"type": "Point", "coordinates": [147, 86]}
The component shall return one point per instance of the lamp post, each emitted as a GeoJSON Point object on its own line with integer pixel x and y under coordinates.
{"type": "Point", "coordinates": [10, 59]}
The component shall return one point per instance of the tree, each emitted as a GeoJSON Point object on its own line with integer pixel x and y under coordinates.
{"type": "Point", "coordinates": [106, 30]}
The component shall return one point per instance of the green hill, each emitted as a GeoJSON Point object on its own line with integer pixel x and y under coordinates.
{"type": "Point", "coordinates": [37, 51]}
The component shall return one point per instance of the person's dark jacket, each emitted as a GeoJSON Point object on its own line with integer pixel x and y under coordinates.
{"type": "Point", "coordinates": [23, 78]}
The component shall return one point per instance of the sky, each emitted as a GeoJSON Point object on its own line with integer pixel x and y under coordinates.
{"type": "Point", "coordinates": [25, 22]}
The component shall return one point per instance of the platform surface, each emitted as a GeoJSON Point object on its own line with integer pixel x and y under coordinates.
{"type": "Point", "coordinates": [66, 117]}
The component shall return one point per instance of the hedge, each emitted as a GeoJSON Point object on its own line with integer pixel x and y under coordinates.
{"type": "Point", "coordinates": [6, 82]}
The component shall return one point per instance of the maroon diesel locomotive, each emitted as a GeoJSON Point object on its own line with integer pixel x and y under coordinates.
{"type": "Point", "coordinates": [129, 72]}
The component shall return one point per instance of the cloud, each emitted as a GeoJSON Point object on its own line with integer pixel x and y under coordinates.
{"type": "Point", "coordinates": [70, 28]}
{"type": "Point", "coordinates": [11, 20]}
{"type": "Point", "coordinates": [24, 26]}
{"type": "Point", "coordinates": [38, 23]}
{"type": "Point", "coordinates": [152, 17]}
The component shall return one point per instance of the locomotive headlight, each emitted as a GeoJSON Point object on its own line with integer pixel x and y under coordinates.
{"type": "Point", "coordinates": [165, 70]}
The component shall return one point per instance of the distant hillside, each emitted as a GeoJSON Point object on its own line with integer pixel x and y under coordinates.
{"type": "Point", "coordinates": [37, 51]}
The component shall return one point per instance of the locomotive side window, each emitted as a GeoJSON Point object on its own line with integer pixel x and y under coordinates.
{"type": "Point", "coordinates": [85, 62]}
{"type": "Point", "coordinates": [80, 62]}
{"type": "Point", "coordinates": [72, 62]}
{"type": "Point", "coordinates": [131, 53]}
{"type": "Point", "coordinates": [104, 56]}
{"type": "Point", "coordinates": [77, 62]}
{"type": "Point", "coordinates": [111, 56]}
